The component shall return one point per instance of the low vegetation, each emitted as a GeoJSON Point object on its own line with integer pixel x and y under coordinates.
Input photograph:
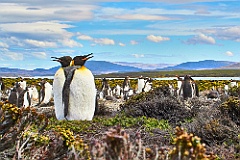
{"type": "Point", "coordinates": [193, 73]}
{"type": "Point", "coordinates": [153, 125]}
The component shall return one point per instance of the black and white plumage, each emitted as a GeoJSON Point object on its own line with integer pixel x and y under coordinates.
{"type": "Point", "coordinates": [79, 91]}
{"type": "Point", "coordinates": [24, 99]}
{"type": "Point", "coordinates": [46, 92]}
{"type": "Point", "coordinates": [179, 84]}
{"type": "Point", "coordinates": [2, 87]}
{"type": "Point", "coordinates": [13, 97]}
{"type": "Point", "coordinates": [140, 85]}
{"type": "Point", "coordinates": [19, 96]}
{"type": "Point", "coordinates": [127, 90]}
{"type": "Point", "coordinates": [58, 82]}
{"type": "Point", "coordinates": [189, 88]}
{"type": "Point", "coordinates": [106, 89]}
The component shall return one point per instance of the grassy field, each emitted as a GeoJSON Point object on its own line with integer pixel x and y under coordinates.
{"type": "Point", "coordinates": [157, 74]}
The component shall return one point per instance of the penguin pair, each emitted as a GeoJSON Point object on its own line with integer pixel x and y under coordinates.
{"type": "Point", "coordinates": [74, 89]}
{"type": "Point", "coordinates": [19, 96]}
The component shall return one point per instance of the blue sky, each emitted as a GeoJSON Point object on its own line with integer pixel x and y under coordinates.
{"type": "Point", "coordinates": [144, 31]}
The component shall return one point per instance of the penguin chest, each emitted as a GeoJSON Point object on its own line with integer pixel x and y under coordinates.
{"type": "Point", "coordinates": [58, 82]}
{"type": "Point", "coordinates": [140, 84]}
{"type": "Point", "coordinates": [82, 95]}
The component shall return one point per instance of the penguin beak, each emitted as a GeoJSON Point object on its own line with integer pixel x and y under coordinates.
{"type": "Point", "coordinates": [88, 55]}
{"type": "Point", "coordinates": [86, 58]}
{"type": "Point", "coordinates": [56, 59]}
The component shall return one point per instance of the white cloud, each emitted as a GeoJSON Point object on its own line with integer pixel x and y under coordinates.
{"type": "Point", "coordinates": [13, 56]}
{"type": "Point", "coordinates": [84, 37]}
{"type": "Point", "coordinates": [138, 55]}
{"type": "Point", "coordinates": [71, 43]}
{"type": "Point", "coordinates": [17, 12]}
{"type": "Point", "coordinates": [201, 39]}
{"type": "Point", "coordinates": [41, 55]}
{"type": "Point", "coordinates": [229, 33]}
{"type": "Point", "coordinates": [133, 42]}
{"type": "Point", "coordinates": [43, 44]}
{"type": "Point", "coordinates": [223, 32]}
{"type": "Point", "coordinates": [140, 17]}
{"type": "Point", "coordinates": [37, 34]}
{"type": "Point", "coordinates": [101, 41]}
{"type": "Point", "coordinates": [37, 30]}
{"type": "Point", "coordinates": [121, 44]}
{"type": "Point", "coordinates": [3, 45]}
{"type": "Point", "coordinates": [104, 41]}
{"type": "Point", "coordinates": [157, 39]}
{"type": "Point", "coordinates": [229, 53]}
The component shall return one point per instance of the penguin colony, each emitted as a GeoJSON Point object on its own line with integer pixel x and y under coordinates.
{"type": "Point", "coordinates": [74, 89]}
{"type": "Point", "coordinates": [24, 95]}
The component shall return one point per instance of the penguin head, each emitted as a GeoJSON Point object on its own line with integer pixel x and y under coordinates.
{"type": "Point", "coordinates": [80, 60]}
{"type": "Point", "coordinates": [186, 77]}
{"type": "Point", "coordinates": [65, 60]}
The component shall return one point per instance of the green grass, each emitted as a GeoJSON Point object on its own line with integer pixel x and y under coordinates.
{"type": "Point", "coordinates": [194, 73]}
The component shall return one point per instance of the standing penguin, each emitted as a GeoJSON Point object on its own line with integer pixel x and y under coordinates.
{"type": "Point", "coordinates": [13, 97]}
{"type": "Point", "coordinates": [186, 87]}
{"type": "Point", "coordinates": [58, 82]}
{"type": "Point", "coordinates": [140, 84]}
{"type": "Point", "coordinates": [2, 87]}
{"type": "Point", "coordinates": [127, 91]}
{"type": "Point", "coordinates": [189, 88]}
{"type": "Point", "coordinates": [195, 90]}
{"type": "Point", "coordinates": [79, 91]}
{"type": "Point", "coordinates": [179, 84]}
{"type": "Point", "coordinates": [24, 99]}
{"type": "Point", "coordinates": [45, 93]}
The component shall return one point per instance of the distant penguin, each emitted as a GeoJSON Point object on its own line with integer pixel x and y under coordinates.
{"type": "Point", "coordinates": [13, 96]}
{"type": "Point", "coordinates": [22, 83]}
{"type": "Point", "coordinates": [195, 90]}
{"type": "Point", "coordinates": [106, 89]}
{"type": "Point", "coordinates": [147, 84]}
{"type": "Point", "coordinates": [126, 87]}
{"type": "Point", "coordinates": [189, 88]}
{"type": "Point", "coordinates": [140, 85]}
{"type": "Point", "coordinates": [79, 91]}
{"type": "Point", "coordinates": [179, 84]}
{"type": "Point", "coordinates": [2, 87]}
{"type": "Point", "coordinates": [118, 91]}
{"type": "Point", "coordinates": [186, 87]}
{"type": "Point", "coordinates": [34, 95]}
{"type": "Point", "coordinates": [45, 93]}
{"type": "Point", "coordinates": [24, 99]}
{"type": "Point", "coordinates": [58, 82]}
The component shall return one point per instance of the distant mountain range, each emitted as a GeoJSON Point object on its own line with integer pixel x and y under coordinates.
{"type": "Point", "coordinates": [103, 67]}
{"type": "Point", "coordinates": [202, 65]}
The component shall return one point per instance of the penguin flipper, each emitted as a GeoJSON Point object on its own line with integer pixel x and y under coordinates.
{"type": "Point", "coordinates": [66, 90]}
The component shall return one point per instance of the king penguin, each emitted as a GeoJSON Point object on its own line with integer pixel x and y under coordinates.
{"type": "Point", "coordinates": [140, 84]}
{"type": "Point", "coordinates": [79, 91]}
{"type": "Point", "coordinates": [58, 82]}
{"type": "Point", "coordinates": [186, 88]}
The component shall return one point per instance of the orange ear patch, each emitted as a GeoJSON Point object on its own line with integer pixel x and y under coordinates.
{"type": "Point", "coordinates": [82, 68]}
